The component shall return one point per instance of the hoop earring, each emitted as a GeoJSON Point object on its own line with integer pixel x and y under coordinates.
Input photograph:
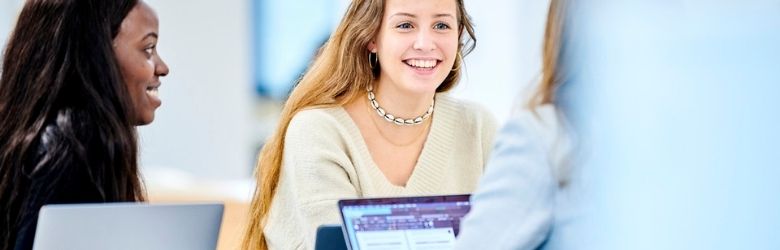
{"type": "Point", "coordinates": [373, 61]}
{"type": "Point", "coordinates": [458, 62]}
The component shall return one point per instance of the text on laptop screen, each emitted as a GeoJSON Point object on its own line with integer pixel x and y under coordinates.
{"type": "Point", "coordinates": [404, 226]}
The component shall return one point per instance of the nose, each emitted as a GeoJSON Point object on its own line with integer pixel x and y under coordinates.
{"type": "Point", "coordinates": [161, 68]}
{"type": "Point", "coordinates": [424, 41]}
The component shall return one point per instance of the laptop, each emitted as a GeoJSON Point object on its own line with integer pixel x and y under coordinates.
{"type": "Point", "coordinates": [128, 226]}
{"type": "Point", "coordinates": [429, 222]}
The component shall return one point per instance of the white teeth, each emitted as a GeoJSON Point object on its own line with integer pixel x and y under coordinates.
{"type": "Point", "coordinates": [153, 92]}
{"type": "Point", "coordinates": [421, 63]}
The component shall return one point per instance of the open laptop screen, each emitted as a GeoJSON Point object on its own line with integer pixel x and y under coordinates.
{"type": "Point", "coordinates": [430, 222]}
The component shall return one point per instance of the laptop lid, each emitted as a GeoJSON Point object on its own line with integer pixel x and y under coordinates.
{"type": "Point", "coordinates": [128, 226]}
{"type": "Point", "coordinates": [429, 222]}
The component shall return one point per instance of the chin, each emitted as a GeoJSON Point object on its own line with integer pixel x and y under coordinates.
{"type": "Point", "coordinates": [421, 88]}
{"type": "Point", "coordinates": [425, 86]}
{"type": "Point", "coordinates": [144, 120]}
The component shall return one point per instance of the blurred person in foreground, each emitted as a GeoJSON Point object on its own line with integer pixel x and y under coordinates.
{"type": "Point", "coordinates": [521, 201]}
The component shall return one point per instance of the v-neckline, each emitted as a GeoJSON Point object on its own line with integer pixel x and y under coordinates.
{"type": "Point", "coordinates": [422, 160]}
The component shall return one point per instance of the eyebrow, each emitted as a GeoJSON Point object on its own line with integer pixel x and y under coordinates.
{"type": "Point", "coordinates": [151, 34]}
{"type": "Point", "coordinates": [443, 15]}
{"type": "Point", "coordinates": [414, 16]}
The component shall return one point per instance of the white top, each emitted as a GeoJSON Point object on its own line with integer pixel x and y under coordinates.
{"type": "Point", "coordinates": [326, 159]}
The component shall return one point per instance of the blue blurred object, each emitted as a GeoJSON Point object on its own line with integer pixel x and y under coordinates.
{"type": "Point", "coordinates": [677, 106]}
{"type": "Point", "coordinates": [286, 36]}
{"type": "Point", "coordinates": [330, 237]}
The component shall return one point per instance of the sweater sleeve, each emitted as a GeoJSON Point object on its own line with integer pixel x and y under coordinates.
{"type": "Point", "coordinates": [318, 167]}
{"type": "Point", "coordinates": [513, 204]}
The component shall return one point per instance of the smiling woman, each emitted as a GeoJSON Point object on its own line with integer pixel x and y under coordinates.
{"type": "Point", "coordinates": [141, 66]}
{"type": "Point", "coordinates": [77, 77]}
{"type": "Point", "coordinates": [371, 117]}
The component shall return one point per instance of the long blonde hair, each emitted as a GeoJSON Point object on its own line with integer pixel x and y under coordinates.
{"type": "Point", "coordinates": [338, 75]}
{"type": "Point", "coordinates": [551, 75]}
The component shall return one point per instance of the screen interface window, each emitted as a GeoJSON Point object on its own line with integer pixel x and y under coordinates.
{"type": "Point", "coordinates": [404, 226]}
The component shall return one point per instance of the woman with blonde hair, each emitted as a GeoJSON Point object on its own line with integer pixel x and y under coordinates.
{"type": "Point", "coordinates": [371, 117]}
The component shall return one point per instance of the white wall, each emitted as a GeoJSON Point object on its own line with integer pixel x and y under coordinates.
{"type": "Point", "coordinates": [204, 125]}
{"type": "Point", "coordinates": [9, 9]}
{"type": "Point", "coordinates": [507, 59]}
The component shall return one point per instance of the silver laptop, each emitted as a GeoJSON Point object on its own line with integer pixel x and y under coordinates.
{"type": "Point", "coordinates": [128, 226]}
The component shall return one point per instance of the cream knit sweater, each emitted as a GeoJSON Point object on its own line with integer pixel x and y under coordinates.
{"type": "Point", "coordinates": [326, 159]}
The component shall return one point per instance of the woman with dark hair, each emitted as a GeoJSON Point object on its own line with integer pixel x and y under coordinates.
{"type": "Point", "coordinates": [77, 77]}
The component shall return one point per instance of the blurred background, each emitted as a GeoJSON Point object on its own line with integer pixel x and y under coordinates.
{"type": "Point", "coordinates": [233, 62]}
{"type": "Point", "coordinates": [674, 102]}
{"type": "Point", "coordinates": [677, 105]}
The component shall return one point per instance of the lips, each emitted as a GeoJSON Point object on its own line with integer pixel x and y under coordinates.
{"type": "Point", "coordinates": [422, 63]}
{"type": "Point", "coordinates": [153, 93]}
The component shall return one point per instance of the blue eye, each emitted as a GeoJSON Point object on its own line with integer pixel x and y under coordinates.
{"type": "Point", "coordinates": [404, 26]}
{"type": "Point", "coordinates": [441, 26]}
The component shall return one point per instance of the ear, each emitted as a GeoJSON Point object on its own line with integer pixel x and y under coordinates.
{"type": "Point", "coordinates": [371, 47]}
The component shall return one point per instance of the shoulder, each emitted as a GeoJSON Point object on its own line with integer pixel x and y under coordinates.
{"type": "Point", "coordinates": [320, 119]}
{"type": "Point", "coordinates": [524, 144]}
{"type": "Point", "coordinates": [55, 146]}
{"type": "Point", "coordinates": [542, 121]}
{"type": "Point", "coordinates": [543, 129]}
{"type": "Point", "coordinates": [318, 126]}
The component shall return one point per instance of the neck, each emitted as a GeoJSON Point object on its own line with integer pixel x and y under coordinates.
{"type": "Point", "coordinates": [402, 103]}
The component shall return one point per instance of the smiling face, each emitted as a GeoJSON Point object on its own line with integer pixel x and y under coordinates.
{"type": "Point", "coordinates": [417, 44]}
{"type": "Point", "coordinates": [135, 47]}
